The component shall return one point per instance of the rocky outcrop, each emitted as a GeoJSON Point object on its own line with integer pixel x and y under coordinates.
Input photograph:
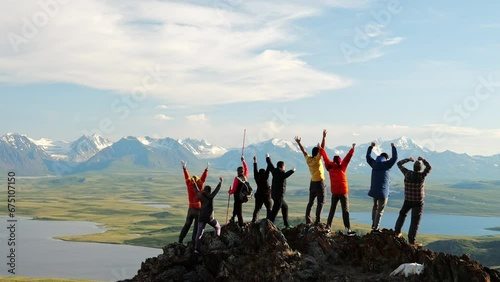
{"type": "Point", "coordinates": [261, 252]}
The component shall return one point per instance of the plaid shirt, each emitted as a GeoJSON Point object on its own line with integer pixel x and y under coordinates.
{"type": "Point", "coordinates": [414, 181]}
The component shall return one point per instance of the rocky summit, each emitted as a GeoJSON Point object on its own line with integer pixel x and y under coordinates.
{"type": "Point", "coordinates": [262, 252]}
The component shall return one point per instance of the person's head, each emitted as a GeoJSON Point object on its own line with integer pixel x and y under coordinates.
{"type": "Point", "coordinates": [382, 158]}
{"type": "Point", "coordinates": [337, 160]}
{"type": "Point", "coordinates": [417, 166]}
{"type": "Point", "coordinates": [385, 155]}
{"type": "Point", "coordinates": [262, 171]}
{"type": "Point", "coordinates": [198, 181]}
{"type": "Point", "coordinates": [240, 170]}
{"type": "Point", "coordinates": [315, 151]}
{"type": "Point", "coordinates": [207, 189]}
{"type": "Point", "coordinates": [280, 165]}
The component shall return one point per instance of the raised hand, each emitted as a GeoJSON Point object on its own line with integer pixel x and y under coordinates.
{"type": "Point", "coordinates": [324, 133]}
{"type": "Point", "coordinates": [254, 159]}
{"type": "Point", "coordinates": [183, 163]}
{"type": "Point", "coordinates": [373, 144]}
{"type": "Point", "coordinates": [208, 165]}
{"type": "Point", "coordinates": [411, 159]}
{"type": "Point", "coordinates": [420, 158]}
{"type": "Point", "coordinates": [242, 158]}
{"type": "Point", "coordinates": [353, 145]}
{"type": "Point", "coordinates": [297, 139]}
{"type": "Point", "coordinates": [293, 168]}
{"type": "Point", "coordinates": [267, 155]}
{"type": "Point", "coordinates": [221, 179]}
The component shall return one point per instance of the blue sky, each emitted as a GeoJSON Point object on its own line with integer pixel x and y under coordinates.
{"type": "Point", "coordinates": [363, 70]}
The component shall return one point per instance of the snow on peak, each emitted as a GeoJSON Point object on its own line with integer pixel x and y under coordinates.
{"type": "Point", "coordinates": [284, 144]}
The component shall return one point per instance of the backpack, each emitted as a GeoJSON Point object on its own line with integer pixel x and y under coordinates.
{"type": "Point", "coordinates": [245, 193]}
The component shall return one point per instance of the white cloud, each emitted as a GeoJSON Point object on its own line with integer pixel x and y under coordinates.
{"type": "Point", "coordinates": [233, 52]}
{"type": "Point", "coordinates": [162, 117]}
{"type": "Point", "coordinates": [199, 117]}
{"type": "Point", "coordinates": [162, 107]}
{"type": "Point", "coordinates": [392, 41]}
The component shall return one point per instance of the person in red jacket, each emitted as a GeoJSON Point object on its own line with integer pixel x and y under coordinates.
{"type": "Point", "coordinates": [194, 202]}
{"type": "Point", "coordinates": [235, 190]}
{"type": "Point", "coordinates": [338, 185]}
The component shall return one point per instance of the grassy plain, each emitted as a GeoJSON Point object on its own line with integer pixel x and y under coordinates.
{"type": "Point", "coordinates": [121, 202]}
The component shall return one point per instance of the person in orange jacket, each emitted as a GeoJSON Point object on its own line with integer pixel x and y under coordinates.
{"type": "Point", "coordinates": [338, 185]}
{"type": "Point", "coordinates": [194, 202]}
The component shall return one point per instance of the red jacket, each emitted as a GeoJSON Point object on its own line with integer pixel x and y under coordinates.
{"type": "Point", "coordinates": [194, 201]}
{"type": "Point", "coordinates": [236, 182]}
{"type": "Point", "coordinates": [338, 177]}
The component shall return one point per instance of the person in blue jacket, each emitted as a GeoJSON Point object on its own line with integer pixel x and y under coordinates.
{"type": "Point", "coordinates": [379, 187]}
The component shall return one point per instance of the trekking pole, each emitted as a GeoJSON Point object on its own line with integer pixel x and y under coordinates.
{"type": "Point", "coordinates": [227, 209]}
{"type": "Point", "coordinates": [243, 147]}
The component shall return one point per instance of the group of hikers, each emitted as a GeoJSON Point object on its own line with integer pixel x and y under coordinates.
{"type": "Point", "coordinates": [273, 196]}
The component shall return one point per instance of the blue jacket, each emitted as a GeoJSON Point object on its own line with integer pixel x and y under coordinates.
{"type": "Point", "coordinates": [379, 188]}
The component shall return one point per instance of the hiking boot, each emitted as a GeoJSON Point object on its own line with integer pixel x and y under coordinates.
{"type": "Point", "coordinates": [288, 227]}
{"type": "Point", "coordinates": [328, 229]}
{"type": "Point", "coordinates": [399, 235]}
{"type": "Point", "coordinates": [349, 232]}
{"type": "Point", "coordinates": [376, 231]}
{"type": "Point", "coordinates": [416, 244]}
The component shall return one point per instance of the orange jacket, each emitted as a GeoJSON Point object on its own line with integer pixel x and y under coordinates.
{"type": "Point", "coordinates": [194, 201]}
{"type": "Point", "coordinates": [338, 177]}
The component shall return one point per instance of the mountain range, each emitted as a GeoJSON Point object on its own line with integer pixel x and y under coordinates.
{"type": "Point", "coordinates": [30, 157]}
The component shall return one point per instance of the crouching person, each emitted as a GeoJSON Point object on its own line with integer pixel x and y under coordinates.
{"type": "Point", "coordinates": [206, 212]}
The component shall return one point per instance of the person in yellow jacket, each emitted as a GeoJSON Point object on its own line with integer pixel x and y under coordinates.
{"type": "Point", "coordinates": [317, 188]}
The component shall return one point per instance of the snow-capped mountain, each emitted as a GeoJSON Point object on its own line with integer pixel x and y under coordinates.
{"type": "Point", "coordinates": [86, 147]}
{"type": "Point", "coordinates": [95, 153]}
{"type": "Point", "coordinates": [57, 150]}
{"type": "Point", "coordinates": [19, 154]}
{"type": "Point", "coordinates": [201, 148]}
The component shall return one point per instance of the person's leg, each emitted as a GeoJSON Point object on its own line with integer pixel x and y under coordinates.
{"type": "Point", "coordinates": [374, 211]}
{"type": "Point", "coordinates": [187, 225]}
{"type": "Point", "coordinates": [275, 209]}
{"type": "Point", "coordinates": [268, 203]}
{"type": "Point", "coordinates": [321, 198]}
{"type": "Point", "coordinates": [215, 224]}
{"type": "Point", "coordinates": [402, 217]}
{"type": "Point", "coordinates": [239, 213]}
{"type": "Point", "coordinates": [381, 203]}
{"type": "Point", "coordinates": [195, 213]}
{"type": "Point", "coordinates": [333, 207]}
{"type": "Point", "coordinates": [312, 196]}
{"type": "Point", "coordinates": [201, 229]}
{"type": "Point", "coordinates": [258, 206]}
{"type": "Point", "coordinates": [416, 216]}
{"type": "Point", "coordinates": [344, 202]}
{"type": "Point", "coordinates": [284, 212]}
{"type": "Point", "coordinates": [235, 210]}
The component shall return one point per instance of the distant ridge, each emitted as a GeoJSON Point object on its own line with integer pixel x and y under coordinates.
{"type": "Point", "coordinates": [95, 153]}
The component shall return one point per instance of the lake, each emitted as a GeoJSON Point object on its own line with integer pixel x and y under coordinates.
{"type": "Point", "coordinates": [429, 224]}
{"type": "Point", "coordinates": [39, 255]}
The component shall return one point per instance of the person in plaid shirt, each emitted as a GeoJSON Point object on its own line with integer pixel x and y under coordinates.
{"type": "Point", "coordinates": [414, 197]}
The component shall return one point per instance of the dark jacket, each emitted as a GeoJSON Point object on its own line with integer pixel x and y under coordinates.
{"type": "Point", "coordinates": [207, 207]}
{"type": "Point", "coordinates": [262, 181]}
{"type": "Point", "coordinates": [278, 187]}
{"type": "Point", "coordinates": [379, 187]}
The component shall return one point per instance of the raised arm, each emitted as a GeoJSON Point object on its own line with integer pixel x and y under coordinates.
{"type": "Point", "coordinates": [323, 140]}
{"type": "Point", "coordinates": [348, 157]}
{"type": "Point", "coordinates": [255, 170]}
{"type": "Point", "coordinates": [212, 195]}
{"type": "Point", "coordinates": [394, 156]}
{"type": "Point", "coordinates": [186, 172]}
{"type": "Point", "coordinates": [297, 139]}
{"type": "Point", "coordinates": [205, 173]}
{"type": "Point", "coordinates": [369, 158]}
{"type": "Point", "coordinates": [401, 163]}
{"type": "Point", "coordinates": [428, 166]}
{"type": "Point", "coordinates": [324, 154]}
{"type": "Point", "coordinates": [270, 165]}
{"type": "Point", "coordinates": [245, 167]}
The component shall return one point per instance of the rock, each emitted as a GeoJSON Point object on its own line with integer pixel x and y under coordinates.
{"type": "Point", "coordinates": [261, 252]}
